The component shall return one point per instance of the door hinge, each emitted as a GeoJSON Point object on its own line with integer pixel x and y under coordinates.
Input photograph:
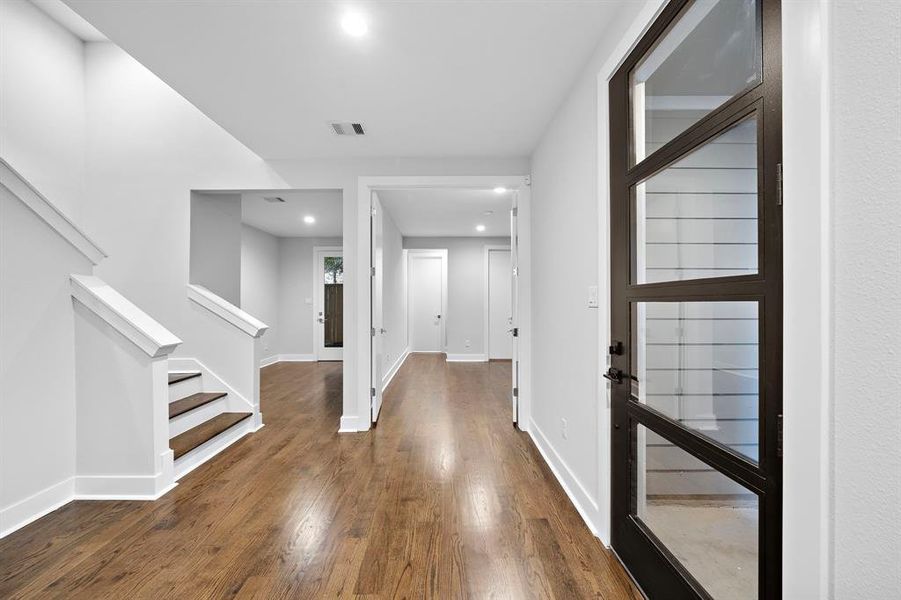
{"type": "Point", "coordinates": [372, 332]}
{"type": "Point", "coordinates": [514, 211]}
{"type": "Point", "coordinates": [372, 271]}
{"type": "Point", "coordinates": [779, 436]}
{"type": "Point", "coordinates": [516, 392]}
{"type": "Point", "coordinates": [779, 184]}
{"type": "Point", "coordinates": [516, 332]}
{"type": "Point", "coordinates": [372, 392]}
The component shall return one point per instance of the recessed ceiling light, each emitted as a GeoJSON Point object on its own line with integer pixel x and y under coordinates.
{"type": "Point", "coordinates": [488, 213]}
{"type": "Point", "coordinates": [354, 24]}
{"type": "Point", "coordinates": [500, 190]}
{"type": "Point", "coordinates": [309, 219]}
{"type": "Point", "coordinates": [480, 228]}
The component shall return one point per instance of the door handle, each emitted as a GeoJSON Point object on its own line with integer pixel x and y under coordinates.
{"type": "Point", "coordinates": [613, 374]}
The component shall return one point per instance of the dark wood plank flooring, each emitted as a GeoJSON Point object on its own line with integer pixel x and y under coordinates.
{"type": "Point", "coordinates": [444, 499]}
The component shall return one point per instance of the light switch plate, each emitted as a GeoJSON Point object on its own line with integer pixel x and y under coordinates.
{"type": "Point", "coordinates": [592, 296]}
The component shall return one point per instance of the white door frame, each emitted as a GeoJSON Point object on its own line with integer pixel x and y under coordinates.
{"type": "Point", "coordinates": [413, 254]}
{"type": "Point", "coordinates": [486, 295]}
{"type": "Point", "coordinates": [360, 418]}
{"type": "Point", "coordinates": [319, 252]}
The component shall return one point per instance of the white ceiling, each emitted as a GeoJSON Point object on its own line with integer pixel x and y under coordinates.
{"type": "Point", "coordinates": [286, 219]}
{"type": "Point", "coordinates": [431, 78]}
{"type": "Point", "coordinates": [448, 212]}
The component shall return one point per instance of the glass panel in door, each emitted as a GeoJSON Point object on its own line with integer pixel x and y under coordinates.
{"type": "Point", "coordinates": [333, 302]}
{"type": "Point", "coordinates": [708, 521]}
{"type": "Point", "coordinates": [697, 218]}
{"type": "Point", "coordinates": [709, 53]}
{"type": "Point", "coordinates": [697, 364]}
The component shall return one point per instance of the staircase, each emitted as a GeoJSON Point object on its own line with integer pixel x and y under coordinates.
{"type": "Point", "coordinates": [200, 424]}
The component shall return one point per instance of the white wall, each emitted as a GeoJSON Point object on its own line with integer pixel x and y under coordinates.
{"type": "Point", "coordinates": [148, 147]}
{"type": "Point", "coordinates": [144, 150]}
{"type": "Point", "coordinates": [37, 364]}
{"type": "Point", "coordinates": [260, 282]}
{"type": "Point", "coordinates": [42, 107]}
{"type": "Point", "coordinates": [296, 280]}
{"type": "Point", "coordinates": [866, 154]}
{"type": "Point", "coordinates": [394, 293]}
{"type": "Point", "coordinates": [215, 261]}
{"type": "Point", "coordinates": [565, 373]}
{"type": "Point", "coordinates": [465, 288]}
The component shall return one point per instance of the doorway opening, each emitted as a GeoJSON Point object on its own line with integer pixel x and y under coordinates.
{"type": "Point", "coordinates": [445, 279]}
{"type": "Point", "coordinates": [278, 255]}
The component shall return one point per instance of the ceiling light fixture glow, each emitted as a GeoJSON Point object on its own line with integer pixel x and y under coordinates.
{"type": "Point", "coordinates": [309, 219]}
{"type": "Point", "coordinates": [500, 190]}
{"type": "Point", "coordinates": [354, 24]}
{"type": "Point", "coordinates": [480, 228]}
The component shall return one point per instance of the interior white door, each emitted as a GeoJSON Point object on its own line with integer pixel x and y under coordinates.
{"type": "Point", "coordinates": [514, 306]}
{"type": "Point", "coordinates": [378, 327]}
{"type": "Point", "coordinates": [425, 303]}
{"type": "Point", "coordinates": [500, 318]}
{"type": "Point", "coordinates": [329, 304]}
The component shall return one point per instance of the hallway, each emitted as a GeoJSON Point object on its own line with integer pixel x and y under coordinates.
{"type": "Point", "coordinates": [458, 506]}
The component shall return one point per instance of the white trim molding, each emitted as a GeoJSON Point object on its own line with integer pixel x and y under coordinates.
{"type": "Point", "coordinates": [47, 211]}
{"type": "Point", "coordinates": [586, 506]}
{"type": "Point", "coordinates": [226, 311]}
{"type": "Point", "coordinates": [278, 358]}
{"type": "Point", "coordinates": [467, 358]}
{"type": "Point", "coordinates": [126, 318]}
{"type": "Point", "coordinates": [30, 509]}
{"type": "Point", "coordinates": [386, 380]}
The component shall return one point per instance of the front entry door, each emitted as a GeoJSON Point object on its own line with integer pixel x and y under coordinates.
{"type": "Point", "coordinates": [696, 303]}
{"type": "Point", "coordinates": [329, 307]}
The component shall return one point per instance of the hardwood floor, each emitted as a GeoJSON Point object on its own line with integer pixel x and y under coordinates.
{"type": "Point", "coordinates": [444, 499]}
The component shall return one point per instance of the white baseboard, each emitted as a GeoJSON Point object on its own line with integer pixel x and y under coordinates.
{"type": "Point", "coordinates": [395, 368]}
{"type": "Point", "coordinates": [467, 358]}
{"type": "Point", "coordinates": [119, 487]}
{"type": "Point", "coordinates": [82, 487]}
{"type": "Point", "coordinates": [585, 505]}
{"type": "Point", "coordinates": [23, 512]}
{"type": "Point", "coordinates": [352, 424]}
{"type": "Point", "coordinates": [277, 358]}
{"type": "Point", "coordinates": [204, 452]}
{"type": "Point", "coordinates": [296, 358]}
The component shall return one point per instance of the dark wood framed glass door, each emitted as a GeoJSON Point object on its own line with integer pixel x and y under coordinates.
{"type": "Point", "coordinates": [696, 302]}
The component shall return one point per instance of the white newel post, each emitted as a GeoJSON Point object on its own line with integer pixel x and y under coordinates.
{"type": "Point", "coordinates": [122, 420]}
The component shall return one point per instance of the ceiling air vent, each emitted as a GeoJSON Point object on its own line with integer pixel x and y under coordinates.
{"type": "Point", "coordinates": [274, 199]}
{"type": "Point", "coordinates": [347, 128]}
